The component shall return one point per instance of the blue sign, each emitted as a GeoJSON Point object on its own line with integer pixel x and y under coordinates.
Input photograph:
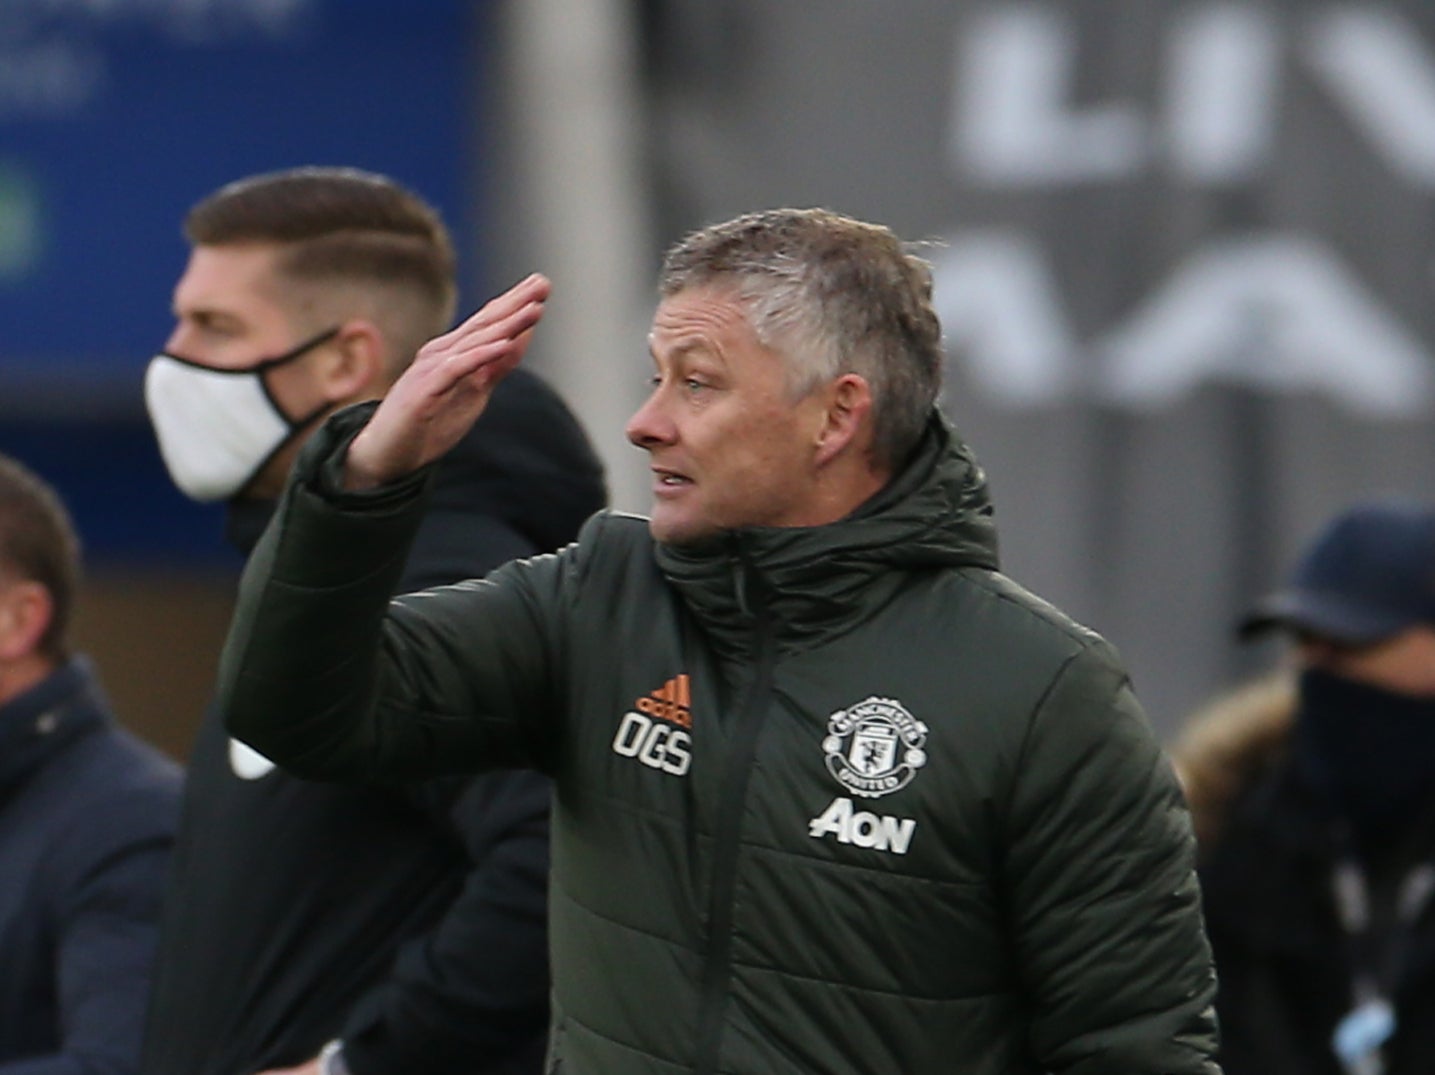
{"type": "Point", "coordinates": [116, 117]}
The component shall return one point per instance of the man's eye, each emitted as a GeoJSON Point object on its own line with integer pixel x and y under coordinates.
{"type": "Point", "coordinates": [211, 327]}
{"type": "Point", "coordinates": [692, 384]}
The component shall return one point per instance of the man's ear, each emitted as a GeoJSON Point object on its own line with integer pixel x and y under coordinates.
{"type": "Point", "coordinates": [847, 416]}
{"type": "Point", "coordinates": [26, 610]}
{"type": "Point", "coordinates": [358, 368]}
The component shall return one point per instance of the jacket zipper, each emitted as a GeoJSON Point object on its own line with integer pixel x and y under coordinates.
{"type": "Point", "coordinates": [732, 794]}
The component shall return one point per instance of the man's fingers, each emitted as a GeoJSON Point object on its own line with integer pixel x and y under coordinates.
{"type": "Point", "coordinates": [496, 368]}
{"type": "Point", "coordinates": [445, 389]}
{"type": "Point", "coordinates": [468, 336]}
{"type": "Point", "coordinates": [494, 340]}
{"type": "Point", "coordinates": [499, 337]}
{"type": "Point", "coordinates": [462, 365]}
{"type": "Point", "coordinates": [532, 289]}
{"type": "Point", "coordinates": [504, 325]}
{"type": "Point", "coordinates": [495, 336]}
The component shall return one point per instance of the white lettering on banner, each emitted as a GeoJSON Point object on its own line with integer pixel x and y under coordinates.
{"type": "Point", "coordinates": [54, 54]}
{"type": "Point", "coordinates": [275, 17]}
{"type": "Point", "coordinates": [863, 828]}
{"type": "Point", "coordinates": [1001, 312]}
{"type": "Point", "coordinates": [1009, 125]}
{"type": "Point", "coordinates": [656, 744]}
{"type": "Point", "coordinates": [1372, 60]}
{"type": "Point", "coordinates": [1013, 121]}
{"type": "Point", "coordinates": [1272, 310]}
{"type": "Point", "coordinates": [1275, 311]}
{"type": "Point", "coordinates": [1221, 96]}
{"type": "Point", "coordinates": [57, 78]}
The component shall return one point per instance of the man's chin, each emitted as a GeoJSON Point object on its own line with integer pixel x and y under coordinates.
{"type": "Point", "coordinates": [667, 529]}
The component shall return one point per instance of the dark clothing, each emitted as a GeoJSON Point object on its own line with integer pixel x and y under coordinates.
{"type": "Point", "coordinates": [408, 920]}
{"type": "Point", "coordinates": [87, 819]}
{"type": "Point", "coordinates": [838, 799]}
{"type": "Point", "coordinates": [1286, 957]}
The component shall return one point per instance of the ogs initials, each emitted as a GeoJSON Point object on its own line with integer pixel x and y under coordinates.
{"type": "Point", "coordinates": [655, 743]}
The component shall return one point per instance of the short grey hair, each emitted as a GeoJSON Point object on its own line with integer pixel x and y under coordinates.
{"type": "Point", "coordinates": [833, 295]}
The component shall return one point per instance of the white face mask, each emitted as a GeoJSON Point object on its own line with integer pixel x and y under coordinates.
{"type": "Point", "coordinates": [216, 427]}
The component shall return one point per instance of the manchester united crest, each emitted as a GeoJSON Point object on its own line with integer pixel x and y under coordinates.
{"type": "Point", "coordinates": [875, 747]}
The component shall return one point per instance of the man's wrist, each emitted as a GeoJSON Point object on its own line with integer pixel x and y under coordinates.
{"type": "Point", "coordinates": [331, 1059]}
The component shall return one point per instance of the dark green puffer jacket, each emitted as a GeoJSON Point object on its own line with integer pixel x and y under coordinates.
{"type": "Point", "coordinates": [832, 800]}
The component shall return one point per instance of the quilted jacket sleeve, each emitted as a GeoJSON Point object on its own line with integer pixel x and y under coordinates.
{"type": "Point", "coordinates": [1105, 904]}
{"type": "Point", "coordinates": [322, 673]}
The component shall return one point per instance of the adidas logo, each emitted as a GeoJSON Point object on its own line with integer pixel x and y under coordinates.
{"type": "Point", "coordinates": [672, 701]}
{"type": "Point", "coordinates": [647, 731]}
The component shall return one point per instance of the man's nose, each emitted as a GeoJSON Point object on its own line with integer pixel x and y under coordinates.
{"type": "Point", "coordinates": [649, 426]}
{"type": "Point", "coordinates": [174, 345]}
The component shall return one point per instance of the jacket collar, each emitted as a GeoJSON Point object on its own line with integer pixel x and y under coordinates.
{"type": "Point", "coordinates": [36, 725]}
{"type": "Point", "coordinates": [817, 581]}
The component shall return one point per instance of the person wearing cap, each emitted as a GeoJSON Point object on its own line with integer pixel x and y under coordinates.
{"type": "Point", "coordinates": [1313, 796]}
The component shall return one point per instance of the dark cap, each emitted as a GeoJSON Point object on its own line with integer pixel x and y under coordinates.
{"type": "Point", "coordinates": [1368, 575]}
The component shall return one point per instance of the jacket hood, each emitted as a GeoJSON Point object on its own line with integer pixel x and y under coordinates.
{"type": "Point", "coordinates": [1230, 744]}
{"type": "Point", "coordinates": [527, 439]}
{"type": "Point", "coordinates": [818, 580]}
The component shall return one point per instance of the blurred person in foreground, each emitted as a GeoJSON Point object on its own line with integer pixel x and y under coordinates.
{"type": "Point", "coordinates": [832, 794]}
{"type": "Point", "coordinates": [392, 928]}
{"type": "Point", "coordinates": [87, 818]}
{"type": "Point", "coordinates": [1313, 793]}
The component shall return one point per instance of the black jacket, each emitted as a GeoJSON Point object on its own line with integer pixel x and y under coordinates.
{"type": "Point", "coordinates": [408, 920]}
{"type": "Point", "coordinates": [1269, 855]}
{"type": "Point", "coordinates": [87, 819]}
{"type": "Point", "coordinates": [837, 799]}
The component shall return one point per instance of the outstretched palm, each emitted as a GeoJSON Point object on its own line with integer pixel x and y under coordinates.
{"type": "Point", "coordinates": [433, 404]}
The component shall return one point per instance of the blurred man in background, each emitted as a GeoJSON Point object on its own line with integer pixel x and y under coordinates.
{"type": "Point", "coordinates": [1314, 801]}
{"type": "Point", "coordinates": [383, 929]}
{"type": "Point", "coordinates": [87, 818]}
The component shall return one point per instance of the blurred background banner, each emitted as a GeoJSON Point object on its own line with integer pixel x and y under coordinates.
{"type": "Point", "coordinates": [1183, 256]}
{"type": "Point", "coordinates": [115, 117]}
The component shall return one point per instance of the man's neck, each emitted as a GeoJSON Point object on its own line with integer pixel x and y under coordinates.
{"type": "Point", "coordinates": [21, 674]}
{"type": "Point", "coordinates": [845, 492]}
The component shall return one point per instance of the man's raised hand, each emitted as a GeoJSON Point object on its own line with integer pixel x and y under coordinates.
{"type": "Point", "coordinates": [439, 397]}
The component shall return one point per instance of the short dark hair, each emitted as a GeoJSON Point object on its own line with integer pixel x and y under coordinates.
{"type": "Point", "coordinates": [337, 224]}
{"type": "Point", "coordinates": [839, 296]}
{"type": "Point", "coordinates": [38, 543]}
